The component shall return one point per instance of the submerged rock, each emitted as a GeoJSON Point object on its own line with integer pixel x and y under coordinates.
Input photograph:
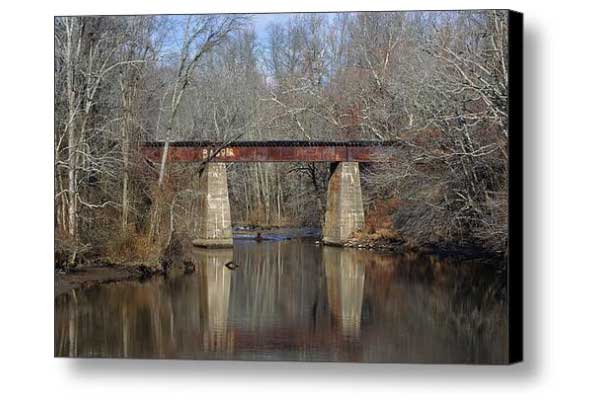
{"type": "Point", "coordinates": [189, 267]}
{"type": "Point", "coordinates": [231, 265]}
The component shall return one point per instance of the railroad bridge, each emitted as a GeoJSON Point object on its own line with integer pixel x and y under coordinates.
{"type": "Point", "coordinates": [344, 214]}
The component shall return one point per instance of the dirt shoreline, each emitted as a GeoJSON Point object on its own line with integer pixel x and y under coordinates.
{"type": "Point", "coordinates": [442, 250]}
{"type": "Point", "coordinates": [88, 275]}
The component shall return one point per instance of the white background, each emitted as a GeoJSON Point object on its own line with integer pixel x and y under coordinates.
{"type": "Point", "coordinates": [562, 157]}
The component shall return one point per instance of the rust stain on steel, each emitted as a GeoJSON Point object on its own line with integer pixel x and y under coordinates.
{"type": "Point", "coordinates": [268, 153]}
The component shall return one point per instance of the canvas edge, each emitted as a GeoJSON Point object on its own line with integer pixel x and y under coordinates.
{"type": "Point", "coordinates": [515, 187]}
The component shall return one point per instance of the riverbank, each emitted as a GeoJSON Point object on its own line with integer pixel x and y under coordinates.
{"type": "Point", "coordinates": [390, 242]}
{"type": "Point", "coordinates": [87, 275]}
{"type": "Point", "coordinates": [103, 271]}
{"type": "Point", "coordinates": [100, 272]}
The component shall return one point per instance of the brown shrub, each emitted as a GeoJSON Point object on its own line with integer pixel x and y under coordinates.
{"type": "Point", "coordinates": [130, 246]}
{"type": "Point", "coordinates": [381, 214]}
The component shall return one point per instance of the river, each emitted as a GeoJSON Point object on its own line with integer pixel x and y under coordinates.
{"type": "Point", "coordinates": [294, 300]}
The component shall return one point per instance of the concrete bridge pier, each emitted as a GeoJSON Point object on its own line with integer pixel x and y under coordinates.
{"type": "Point", "coordinates": [345, 213]}
{"type": "Point", "coordinates": [215, 214]}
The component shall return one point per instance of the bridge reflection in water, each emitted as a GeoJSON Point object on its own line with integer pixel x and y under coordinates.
{"type": "Point", "coordinates": [292, 300]}
{"type": "Point", "coordinates": [215, 290]}
{"type": "Point", "coordinates": [345, 272]}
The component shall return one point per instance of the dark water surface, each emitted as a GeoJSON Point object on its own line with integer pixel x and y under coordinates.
{"type": "Point", "coordinates": [292, 300]}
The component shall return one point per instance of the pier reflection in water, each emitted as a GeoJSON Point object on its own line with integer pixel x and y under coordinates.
{"type": "Point", "coordinates": [215, 290]}
{"type": "Point", "coordinates": [293, 300]}
{"type": "Point", "coordinates": [345, 272]}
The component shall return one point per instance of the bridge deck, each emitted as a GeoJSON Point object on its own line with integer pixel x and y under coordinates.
{"type": "Point", "coordinates": [272, 151]}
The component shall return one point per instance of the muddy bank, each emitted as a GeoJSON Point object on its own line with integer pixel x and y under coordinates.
{"type": "Point", "coordinates": [90, 275]}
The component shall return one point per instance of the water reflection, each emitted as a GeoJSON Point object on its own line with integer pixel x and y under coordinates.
{"type": "Point", "coordinates": [294, 301]}
{"type": "Point", "coordinates": [215, 289]}
{"type": "Point", "coordinates": [345, 272]}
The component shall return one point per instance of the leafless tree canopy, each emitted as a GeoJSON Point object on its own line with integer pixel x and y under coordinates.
{"type": "Point", "coordinates": [436, 80]}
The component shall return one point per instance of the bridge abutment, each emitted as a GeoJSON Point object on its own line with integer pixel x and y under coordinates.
{"type": "Point", "coordinates": [345, 213]}
{"type": "Point", "coordinates": [215, 213]}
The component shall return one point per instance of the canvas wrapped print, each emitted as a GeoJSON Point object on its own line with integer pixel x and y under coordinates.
{"type": "Point", "coordinates": [289, 187]}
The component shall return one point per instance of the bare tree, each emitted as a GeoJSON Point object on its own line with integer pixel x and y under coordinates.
{"type": "Point", "coordinates": [202, 33]}
{"type": "Point", "coordinates": [88, 56]}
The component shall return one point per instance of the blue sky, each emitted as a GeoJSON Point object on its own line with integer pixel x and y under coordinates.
{"type": "Point", "coordinates": [261, 24]}
{"type": "Point", "coordinates": [262, 21]}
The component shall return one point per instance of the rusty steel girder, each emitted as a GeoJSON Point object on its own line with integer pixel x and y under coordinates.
{"type": "Point", "coordinates": [275, 151]}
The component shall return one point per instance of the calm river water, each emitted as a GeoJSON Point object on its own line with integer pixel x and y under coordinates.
{"type": "Point", "coordinates": [293, 300]}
